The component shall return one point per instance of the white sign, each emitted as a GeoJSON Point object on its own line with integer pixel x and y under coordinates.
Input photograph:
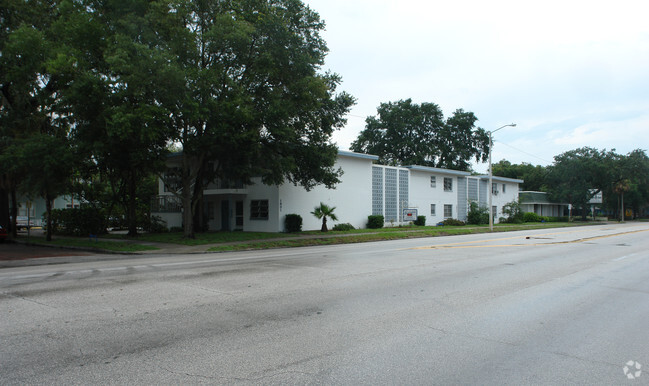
{"type": "Point", "coordinates": [409, 214]}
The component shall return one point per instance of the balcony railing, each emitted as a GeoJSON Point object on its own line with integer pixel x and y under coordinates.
{"type": "Point", "coordinates": [225, 184]}
{"type": "Point", "coordinates": [166, 204]}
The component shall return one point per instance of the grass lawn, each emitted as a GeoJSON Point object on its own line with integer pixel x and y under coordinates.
{"type": "Point", "coordinates": [366, 235]}
{"type": "Point", "coordinates": [207, 237]}
{"type": "Point", "coordinates": [114, 246]}
{"type": "Point", "coordinates": [234, 241]}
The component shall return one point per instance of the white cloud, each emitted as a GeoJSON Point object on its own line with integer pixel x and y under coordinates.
{"type": "Point", "coordinates": [569, 73]}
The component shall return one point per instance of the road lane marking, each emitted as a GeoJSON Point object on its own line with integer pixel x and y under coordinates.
{"type": "Point", "coordinates": [465, 244]}
{"type": "Point", "coordinates": [625, 257]}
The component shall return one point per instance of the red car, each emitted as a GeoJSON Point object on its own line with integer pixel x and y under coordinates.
{"type": "Point", "coordinates": [3, 234]}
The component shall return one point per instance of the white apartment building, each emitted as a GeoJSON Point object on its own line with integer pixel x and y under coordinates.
{"type": "Point", "coordinates": [365, 189]}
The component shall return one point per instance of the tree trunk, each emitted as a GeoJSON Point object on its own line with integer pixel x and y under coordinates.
{"type": "Point", "coordinates": [324, 225]}
{"type": "Point", "coordinates": [198, 216]}
{"type": "Point", "coordinates": [48, 209]}
{"type": "Point", "coordinates": [132, 206]}
{"type": "Point", "coordinates": [14, 213]}
{"type": "Point", "coordinates": [188, 218]}
{"type": "Point", "coordinates": [197, 201]}
{"type": "Point", "coordinates": [623, 213]}
{"type": "Point", "coordinates": [4, 208]}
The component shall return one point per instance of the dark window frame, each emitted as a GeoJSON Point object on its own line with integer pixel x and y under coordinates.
{"type": "Point", "coordinates": [259, 209]}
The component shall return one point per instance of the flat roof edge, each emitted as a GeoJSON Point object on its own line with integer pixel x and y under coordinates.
{"type": "Point", "coordinates": [352, 154]}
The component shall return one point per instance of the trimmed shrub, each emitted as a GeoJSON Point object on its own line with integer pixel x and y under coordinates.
{"type": "Point", "coordinates": [513, 212]}
{"type": "Point", "coordinates": [343, 227]}
{"type": "Point", "coordinates": [477, 215]}
{"type": "Point", "coordinates": [156, 225]}
{"type": "Point", "coordinates": [375, 221]}
{"type": "Point", "coordinates": [532, 217]}
{"type": "Point", "coordinates": [453, 222]}
{"type": "Point", "coordinates": [293, 223]}
{"type": "Point", "coordinates": [79, 221]}
{"type": "Point", "coordinates": [421, 221]}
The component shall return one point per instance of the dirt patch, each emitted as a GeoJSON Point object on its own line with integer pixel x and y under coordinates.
{"type": "Point", "coordinates": [16, 251]}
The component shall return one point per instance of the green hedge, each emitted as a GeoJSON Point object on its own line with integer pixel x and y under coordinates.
{"type": "Point", "coordinates": [453, 222]}
{"type": "Point", "coordinates": [293, 223]}
{"type": "Point", "coordinates": [533, 217]}
{"type": "Point", "coordinates": [79, 221]}
{"type": "Point", "coordinates": [343, 227]}
{"type": "Point", "coordinates": [375, 221]}
{"type": "Point", "coordinates": [420, 221]}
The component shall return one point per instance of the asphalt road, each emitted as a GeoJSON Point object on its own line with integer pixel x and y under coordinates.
{"type": "Point", "coordinates": [564, 306]}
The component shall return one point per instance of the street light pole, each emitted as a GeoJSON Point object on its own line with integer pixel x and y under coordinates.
{"type": "Point", "coordinates": [490, 187]}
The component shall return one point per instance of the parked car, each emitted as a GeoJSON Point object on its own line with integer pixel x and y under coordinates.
{"type": "Point", "coordinates": [3, 234]}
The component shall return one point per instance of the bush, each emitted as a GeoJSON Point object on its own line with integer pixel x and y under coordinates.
{"type": "Point", "coordinates": [375, 221]}
{"type": "Point", "coordinates": [421, 221]}
{"type": "Point", "coordinates": [293, 223]}
{"type": "Point", "coordinates": [343, 227]}
{"type": "Point", "coordinates": [477, 215]}
{"type": "Point", "coordinates": [79, 221]}
{"type": "Point", "coordinates": [156, 225]}
{"type": "Point", "coordinates": [532, 217]}
{"type": "Point", "coordinates": [513, 212]}
{"type": "Point", "coordinates": [453, 222]}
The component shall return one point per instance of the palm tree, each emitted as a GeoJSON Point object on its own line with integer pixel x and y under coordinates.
{"type": "Point", "coordinates": [621, 187]}
{"type": "Point", "coordinates": [323, 211]}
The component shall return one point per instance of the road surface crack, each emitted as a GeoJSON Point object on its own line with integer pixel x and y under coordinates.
{"type": "Point", "coordinates": [27, 300]}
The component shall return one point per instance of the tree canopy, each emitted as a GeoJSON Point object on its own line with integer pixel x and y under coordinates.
{"type": "Point", "coordinates": [246, 96]}
{"type": "Point", "coordinates": [237, 84]}
{"type": "Point", "coordinates": [406, 133]}
{"type": "Point", "coordinates": [533, 176]}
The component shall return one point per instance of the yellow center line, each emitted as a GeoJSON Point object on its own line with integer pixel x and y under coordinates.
{"type": "Point", "coordinates": [466, 244]}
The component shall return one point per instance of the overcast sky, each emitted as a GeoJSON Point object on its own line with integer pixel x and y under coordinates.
{"type": "Point", "coordinates": [568, 73]}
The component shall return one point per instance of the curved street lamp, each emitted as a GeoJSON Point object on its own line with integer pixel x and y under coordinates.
{"type": "Point", "coordinates": [491, 215]}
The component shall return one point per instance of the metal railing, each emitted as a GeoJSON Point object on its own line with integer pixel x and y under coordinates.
{"type": "Point", "coordinates": [166, 204]}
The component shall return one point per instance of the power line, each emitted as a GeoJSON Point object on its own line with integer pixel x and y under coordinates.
{"type": "Point", "coordinates": [524, 152]}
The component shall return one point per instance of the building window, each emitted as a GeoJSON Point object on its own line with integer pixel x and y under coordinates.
{"type": "Point", "coordinates": [448, 211]}
{"type": "Point", "coordinates": [494, 188]}
{"type": "Point", "coordinates": [504, 188]}
{"type": "Point", "coordinates": [448, 184]}
{"type": "Point", "coordinates": [433, 181]}
{"type": "Point", "coordinates": [494, 211]}
{"type": "Point", "coordinates": [432, 210]}
{"type": "Point", "coordinates": [377, 190]}
{"type": "Point", "coordinates": [259, 210]}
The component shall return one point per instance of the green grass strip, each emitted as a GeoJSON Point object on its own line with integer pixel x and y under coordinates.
{"type": "Point", "coordinates": [206, 238]}
{"type": "Point", "coordinates": [380, 235]}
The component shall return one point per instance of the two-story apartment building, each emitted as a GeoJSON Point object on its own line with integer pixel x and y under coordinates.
{"type": "Point", "coordinates": [365, 189]}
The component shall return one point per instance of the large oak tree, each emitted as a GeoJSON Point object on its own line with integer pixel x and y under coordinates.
{"type": "Point", "coordinates": [245, 95]}
{"type": "Point", "coordinates": [406, 133]}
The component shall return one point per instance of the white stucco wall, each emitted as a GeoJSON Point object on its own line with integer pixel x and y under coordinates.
{"type": "Point", "coordinates": [352, 197]}
{"type": "Point", "coordinates": [172, 219]}
{"type": "Point", "coordinates": [259, 191]}
{"type": "Point", "coordinates": [422, 195]}
{"type": "Point", "coordinates": [502, 198]}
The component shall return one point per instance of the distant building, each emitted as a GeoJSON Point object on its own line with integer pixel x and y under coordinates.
{"type": "Point", "coordinates": [539, 203]}
{"type": "Point", "coordinates": [31, 211]}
